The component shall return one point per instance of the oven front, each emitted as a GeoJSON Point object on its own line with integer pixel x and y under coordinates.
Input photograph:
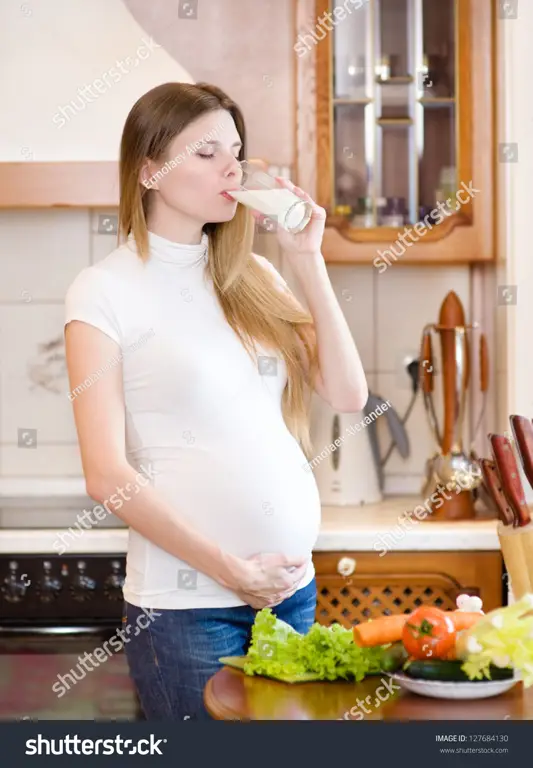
{"type": "Point", "coordinates": [57, 616]}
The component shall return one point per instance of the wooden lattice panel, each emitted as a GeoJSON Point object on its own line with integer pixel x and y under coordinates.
{"type": "Point", "coordinates": [358, 598]}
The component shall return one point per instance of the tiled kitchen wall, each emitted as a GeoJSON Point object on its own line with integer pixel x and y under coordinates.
{"type": "Point", "coordinates": [386, 314]}
{"type": "Point", "coordinates": [41, 252]}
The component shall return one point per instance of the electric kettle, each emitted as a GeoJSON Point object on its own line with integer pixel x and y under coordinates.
{"type": "Point", "coordinates": [347, 460]}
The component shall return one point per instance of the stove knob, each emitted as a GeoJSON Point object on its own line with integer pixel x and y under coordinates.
{"type": "Point", "coordinates": [14, 589]}
{"type": "Point", "coordinates": [114, 583]}
{"type": "Point", "coordinates": [82, 586]}
{"type": "Point", "coordinates": [49, 588]}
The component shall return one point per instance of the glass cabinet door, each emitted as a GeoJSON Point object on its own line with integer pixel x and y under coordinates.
{"type": "Point", "coordinates": [393, 117]}
{"type": "Point", "coordinates": [353, 114]}
{"type": "Point", "coordinates": [436, 124]}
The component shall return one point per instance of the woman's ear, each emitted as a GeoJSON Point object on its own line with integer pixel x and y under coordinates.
{"type": "Point", "coordinates": [146, 178]}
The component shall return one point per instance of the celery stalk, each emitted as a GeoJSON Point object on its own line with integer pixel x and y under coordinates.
{"type": "Point", "coordinates": [503, 637]}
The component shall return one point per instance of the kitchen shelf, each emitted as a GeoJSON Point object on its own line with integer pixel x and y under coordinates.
{"type": "Point", "coordinates": [399, 80]}
{"type": "Point", "coordinates": [394, 121]}
{"type": "Point", "coordinates": [352, 101]}
{"type": "Point", "coordinates": [387, 235]}
{"type": "Point", "coordinates": [444, 101]}
{"type": "Point", "coordinates": [59, 185]}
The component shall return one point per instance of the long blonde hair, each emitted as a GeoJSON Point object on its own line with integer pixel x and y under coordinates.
{"type": "Point", "coordinates": [252, 304]}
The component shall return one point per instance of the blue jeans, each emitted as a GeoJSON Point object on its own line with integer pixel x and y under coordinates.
{"type": "Point", "coordinates": [172, 659]}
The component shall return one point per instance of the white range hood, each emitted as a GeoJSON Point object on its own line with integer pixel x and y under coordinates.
{"type": "Point", "coordinates": [71, 71]}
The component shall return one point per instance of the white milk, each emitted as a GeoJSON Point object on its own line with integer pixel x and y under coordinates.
{"type": "Point", "coordinates": [284, 206]}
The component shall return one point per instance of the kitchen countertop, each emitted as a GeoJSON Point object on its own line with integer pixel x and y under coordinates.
{"type": "Point", "coordinates": [360, 529]}
{"type": "Point", "coordinates": [342, 528]}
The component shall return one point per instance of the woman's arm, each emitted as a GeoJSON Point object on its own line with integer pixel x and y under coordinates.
{"type": "Point", "coordinates": [100, 424]}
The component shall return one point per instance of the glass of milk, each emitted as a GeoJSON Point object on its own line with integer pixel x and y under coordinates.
{"type": "Point", "coordinates": [265, 194]}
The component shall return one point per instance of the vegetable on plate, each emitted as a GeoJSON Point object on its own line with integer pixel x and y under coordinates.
{"type": "Point", "coordinates": [389, 629]}
{"type": "Point", "coordinates": [428, 644]}
{"type": "Point", "coordinates": [386, 629]}
{"type": "Point", "coordinates": [428, 633]}
{"type": "Point", "coordinates": [503, 638]}
{"type": "Point", "coordinates": [328, 653]}
{"type": "Point", "coordinates": [449, 671]}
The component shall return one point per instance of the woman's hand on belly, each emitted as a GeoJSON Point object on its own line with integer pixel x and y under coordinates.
{"type": "Point", "coordinates": [266, 579]}
{"type": "Point", "coordinates": [264, 602]}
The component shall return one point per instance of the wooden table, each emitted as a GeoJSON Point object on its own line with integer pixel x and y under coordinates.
{"type": "Point", "coordinates": [232, 695]}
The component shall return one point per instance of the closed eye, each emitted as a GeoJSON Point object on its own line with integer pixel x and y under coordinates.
{"type": "Point", "coordinates": [212, 155]}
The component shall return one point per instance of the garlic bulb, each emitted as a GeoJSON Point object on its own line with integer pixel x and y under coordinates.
{"type": "Point", "coordinates": [469, 603]}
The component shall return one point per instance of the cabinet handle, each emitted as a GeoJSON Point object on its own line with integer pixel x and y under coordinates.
{"type": "Point", "coordinates": [346, 566]}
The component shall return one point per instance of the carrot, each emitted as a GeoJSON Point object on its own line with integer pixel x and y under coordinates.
{"type": "Point", "coordinates": [464, 619]}
{"type": "Point", "coordinates": [389, 629]}
{"type": "Point", "coordinates": [386, 629]}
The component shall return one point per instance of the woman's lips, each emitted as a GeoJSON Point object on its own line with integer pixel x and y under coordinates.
{"type": "Point", "coordinates": [228, 197]}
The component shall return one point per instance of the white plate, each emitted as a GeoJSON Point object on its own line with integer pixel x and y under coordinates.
{"type": "Point", "coordinates": [439, 689]}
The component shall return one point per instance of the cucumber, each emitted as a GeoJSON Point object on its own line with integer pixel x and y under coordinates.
{"type": "Point", "coordinates": [450, 671]}
{"type": "Point", "coordinates": [394, 657]}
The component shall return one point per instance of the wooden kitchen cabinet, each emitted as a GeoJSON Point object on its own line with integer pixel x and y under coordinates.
{"type": "Point", "coordinates": [402, 581]}
{"type": "Point", "coordinates": [404, 120]}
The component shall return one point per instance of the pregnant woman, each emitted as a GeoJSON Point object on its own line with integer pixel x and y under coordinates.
{"type": "Point", "coordinates": [192, 365]}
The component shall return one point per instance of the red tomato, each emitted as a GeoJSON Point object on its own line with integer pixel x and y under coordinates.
{"type": "Point", "coordinates": [429, 633]}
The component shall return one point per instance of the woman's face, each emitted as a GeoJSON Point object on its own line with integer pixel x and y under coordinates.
{"type": "Point", "coordinates": [202, 163]}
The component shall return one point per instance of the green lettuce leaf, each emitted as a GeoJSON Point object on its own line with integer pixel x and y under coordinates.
{"type": "Point", "coordinates": [328, 652]}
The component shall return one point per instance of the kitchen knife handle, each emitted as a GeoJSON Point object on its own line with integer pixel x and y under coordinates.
{"type": "Point", "coordinates": [509, 473]}
{"type": "Point", "coordinates": [426, 363]}
{"type": "Point", "coordinates": [483, 363]}
{"type": "Point", "coordinates": [494, 487]}
{"type": "Point", "coordinates": [523, 435]}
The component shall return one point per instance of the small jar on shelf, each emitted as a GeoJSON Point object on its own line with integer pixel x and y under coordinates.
{"type": "Point", "coordinates": [364, 215]}
{"type": "Point", "coordinates": [394, 214]}
{"type": "Point", "coordinates": [343, 210]}
{"type": "Point", "coordinates": [429, 211]}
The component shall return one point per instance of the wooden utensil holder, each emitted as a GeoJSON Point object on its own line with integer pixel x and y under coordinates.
{"type": "Point", "coordinates": [517, 550]}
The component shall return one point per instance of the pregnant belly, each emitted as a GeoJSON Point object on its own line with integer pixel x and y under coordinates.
{"type": "Point", "coordinates": [251, 502]}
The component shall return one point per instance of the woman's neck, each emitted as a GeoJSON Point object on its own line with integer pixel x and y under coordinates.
{"type": "Point", "coordinates": [175, 227]}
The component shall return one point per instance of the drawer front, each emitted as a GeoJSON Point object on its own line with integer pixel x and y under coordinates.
{"type": "Point", "coordinates": [354, 587]}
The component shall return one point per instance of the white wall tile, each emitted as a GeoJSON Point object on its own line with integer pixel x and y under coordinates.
{"type": "Point", "coordinates": [408, 297]}
{"type": "Point", "coordinates": [421, 444]}
{"type": "Point", "coordinates": [42, 461]}
{"type": "Point", "coordinates": [502, 415]}
{"type": "Point", "coordinates": [26, 333]}
{"type": "Point", "coordinates": [503, 317]}
{"type": "Point", "coordinates": [354, 288]}
{"type": "Point", "coordinates": [101, 244]}
{"type": "Point", "coordinates": [405, 475]}
{"type": "Point", "coordinates": [41, 252]}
